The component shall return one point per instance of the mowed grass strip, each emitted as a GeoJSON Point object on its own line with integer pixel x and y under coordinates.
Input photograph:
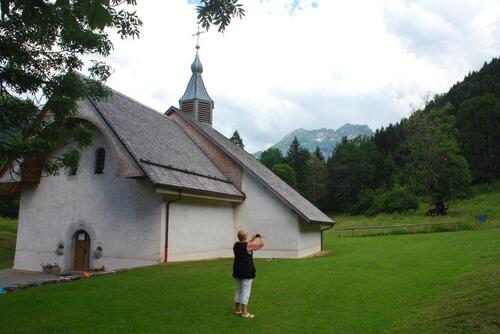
{"type": "Point", "coordinates": [364, 285]}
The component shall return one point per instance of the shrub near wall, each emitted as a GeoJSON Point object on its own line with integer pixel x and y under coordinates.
{"type": "Point", "coordinates": [9, 206]}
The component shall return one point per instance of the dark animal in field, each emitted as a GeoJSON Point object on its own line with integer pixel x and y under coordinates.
{"type": "Point", "coordinates": [440, 209]}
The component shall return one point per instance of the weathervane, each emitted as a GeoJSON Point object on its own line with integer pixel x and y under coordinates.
{"type": "Point", "coordinates": [198, 33]}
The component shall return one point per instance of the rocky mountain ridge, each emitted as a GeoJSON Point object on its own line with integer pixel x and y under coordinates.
{"type": "Point", "coordinates": [325, 138]}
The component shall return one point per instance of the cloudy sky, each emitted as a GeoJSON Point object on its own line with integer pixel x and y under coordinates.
{"type": "Point", "coordinates": [309, 64]}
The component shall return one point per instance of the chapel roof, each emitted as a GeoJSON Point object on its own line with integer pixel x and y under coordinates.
{"type": "Point", "coordinates": [281, 189]}
{"type": "Point", "coordinates": [162, 150]}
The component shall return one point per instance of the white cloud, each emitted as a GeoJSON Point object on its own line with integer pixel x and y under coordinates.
{"type": "Point", "coordinates": [310, 64]}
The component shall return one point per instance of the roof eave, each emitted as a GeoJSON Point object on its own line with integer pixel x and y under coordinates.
{"type": "Point", "coordinates": [189, 192]}
{"type": "Point", "coordinates": [321, 222]}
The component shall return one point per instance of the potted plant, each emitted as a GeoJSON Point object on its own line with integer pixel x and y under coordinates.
{"type": "Point", "coordinates": [51, 268]}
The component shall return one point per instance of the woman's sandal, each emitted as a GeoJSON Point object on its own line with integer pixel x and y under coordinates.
{"type": "Point", "coordinates": [248, 315]}
{"type": "Point", "coordinates": [237, 312]}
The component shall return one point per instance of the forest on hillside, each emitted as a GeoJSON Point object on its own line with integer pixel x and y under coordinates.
{"type": "Point", "coordinates": [437, 153]}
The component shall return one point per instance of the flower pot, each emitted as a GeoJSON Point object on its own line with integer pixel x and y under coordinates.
{"type": "Point", "coordinates": [52, 270]}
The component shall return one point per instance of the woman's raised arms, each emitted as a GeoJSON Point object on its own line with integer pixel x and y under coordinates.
{"type": "Point", "coordinates": [253, 246]}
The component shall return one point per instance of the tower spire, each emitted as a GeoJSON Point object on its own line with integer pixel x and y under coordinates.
{"type": "Point", "coordinates": [197, 34]}
{"type": "Point", "coordinates": [196, 66]}
{"type": "Point", "coordinates": [196, 102]}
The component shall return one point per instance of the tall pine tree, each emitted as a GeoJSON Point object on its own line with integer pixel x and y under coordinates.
{"type": "Point", "coordinates": [235, 138]}
{"type": "Point", "coordinates": [318, 154]}
{"type": "Point", "coordinates": [319, 179]}
{"type": "Point", "coordinates": [298, 158]}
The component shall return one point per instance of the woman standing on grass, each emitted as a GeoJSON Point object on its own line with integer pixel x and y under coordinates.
{"type": "Point", "coordinates": [244, 270]}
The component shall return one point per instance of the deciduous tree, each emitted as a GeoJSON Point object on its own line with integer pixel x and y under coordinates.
{"type": "Point", "coordinates": [435, 166]}
{"type": "Point", "coordinates": [272, 156]}
{"type": "Point", "coordinates": [286, 173]}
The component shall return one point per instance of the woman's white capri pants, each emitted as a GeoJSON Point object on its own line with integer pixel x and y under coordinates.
{"type": "Point", "coordinates": [242, 291]}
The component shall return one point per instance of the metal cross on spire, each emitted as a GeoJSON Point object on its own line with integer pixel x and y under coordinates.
{"type": "Point", "coordinates": [197, 34]}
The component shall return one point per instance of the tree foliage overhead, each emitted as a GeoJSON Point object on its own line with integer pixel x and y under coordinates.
{"type": "Point", "coordinates": [219, 13]}
{"type": "Point", "coordinates": [43, 44]}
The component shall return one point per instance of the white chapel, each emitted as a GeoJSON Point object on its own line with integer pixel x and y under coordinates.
{"type": "Point", "coordinates": [153, 188]}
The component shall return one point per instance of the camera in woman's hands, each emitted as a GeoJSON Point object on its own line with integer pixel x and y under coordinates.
{"type": "Point", "coordinates": [258, 235]}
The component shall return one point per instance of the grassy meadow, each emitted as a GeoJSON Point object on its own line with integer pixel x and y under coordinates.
{"type": "Point", "coordinates": [440, 282]}
{"type": "Point", "coordinates": [411, 283]}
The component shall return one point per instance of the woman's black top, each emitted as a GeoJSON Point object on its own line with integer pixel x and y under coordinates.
{"type": "Point", "coordinates": [243, 266]}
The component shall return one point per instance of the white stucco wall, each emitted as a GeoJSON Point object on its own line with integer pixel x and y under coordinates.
{"type": "Point", "coordinates": [309, 239]}
{"type": "Point", "coordinates": [121, 215]}
{"type": "Point", "coordinates": [286, 236]}
{"type": "Point", "coordinates": [200, 229]}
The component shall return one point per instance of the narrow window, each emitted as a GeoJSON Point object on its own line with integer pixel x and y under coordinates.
{"type": "Point", "coordinates": [100, 156]}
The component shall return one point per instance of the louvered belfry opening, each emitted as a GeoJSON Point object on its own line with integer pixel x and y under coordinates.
{"type": "Point", "coordinates": [204, 112]}
{"type": "Point", "coordinates": [188, 107]}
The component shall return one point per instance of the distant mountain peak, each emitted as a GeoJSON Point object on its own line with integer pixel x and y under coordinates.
{"type": "Point", "coordinates": [324, 138]}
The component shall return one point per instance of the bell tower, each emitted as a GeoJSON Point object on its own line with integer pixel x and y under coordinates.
{"type": "Point", "coordinates": [196, 102]}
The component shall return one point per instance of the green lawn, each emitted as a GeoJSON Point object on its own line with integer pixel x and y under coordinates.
{"type": "Point", "coordinates": [466, 212]}
{"type": "Point", "coordinates": [8, 230]}
{"type": "Point", "coordinates": [441, 282]}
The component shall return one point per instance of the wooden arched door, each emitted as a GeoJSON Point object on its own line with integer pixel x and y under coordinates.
{"type": "Point", "coordinates": [82, 251]}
